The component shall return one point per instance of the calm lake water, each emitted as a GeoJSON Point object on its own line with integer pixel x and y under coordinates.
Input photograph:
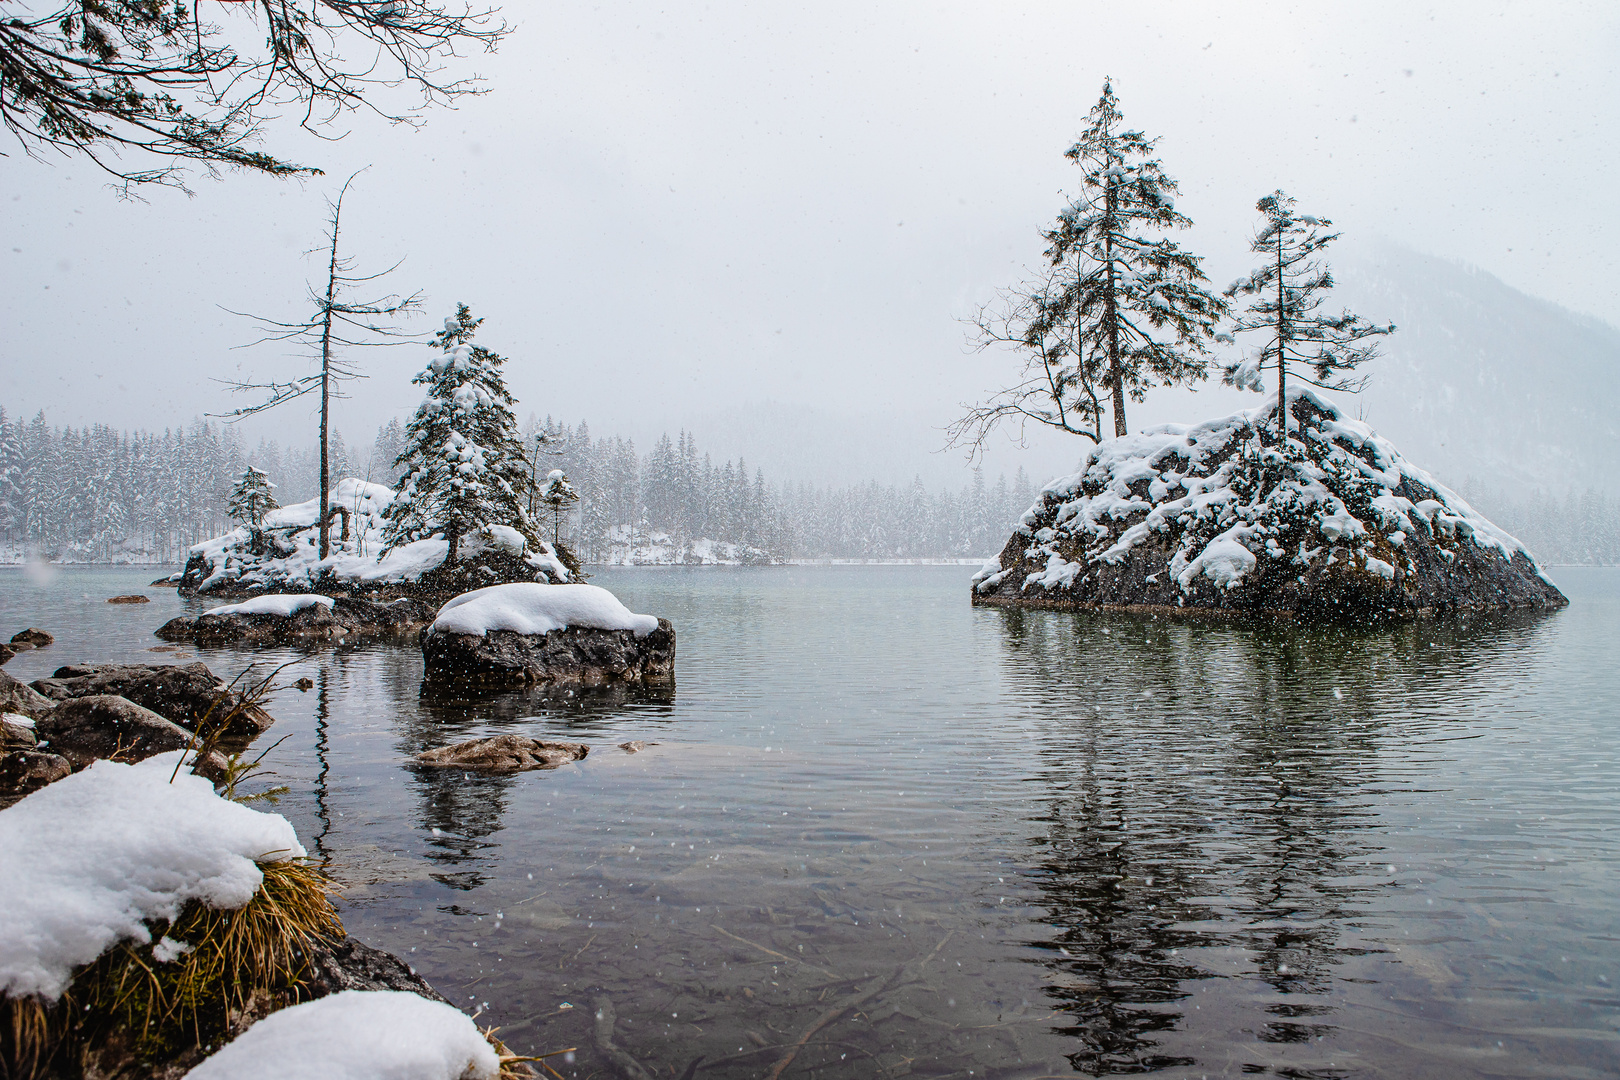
{"type": "Point", "coordinates": [1018, 844]}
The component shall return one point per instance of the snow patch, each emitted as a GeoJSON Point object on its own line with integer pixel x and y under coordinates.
{"type": "Point", "coordinates": [357, 1035]}
{"type": "Point", "coordinates": [273, 605]}
{"type": "Point", "coordinates": [532, 608]}
{"type": "Point", "coordinates": [89, 859]}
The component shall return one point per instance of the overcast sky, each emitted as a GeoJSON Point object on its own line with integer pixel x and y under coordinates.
{"type": "Point", "coordinates": [668, 215]}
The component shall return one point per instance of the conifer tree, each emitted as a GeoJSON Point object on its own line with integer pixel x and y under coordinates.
{"type": "Point", "coordinates": [463, 464]}
{"type": "Point", "coordinates": [251, 499]}
{"type": "Point", "coordinates": [1289, 287]}
{"type": "Point", "coordinates": [559, 497]}
{"type": "Point", "coordinates": [1121, 308]}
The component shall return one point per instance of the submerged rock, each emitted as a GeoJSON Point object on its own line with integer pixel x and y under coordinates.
{"type": "Point", "coordinates": [131, 598]}
{"type": "Point", "coordinates": [183, 694]}
{"type": "Point", "coordinates": [504, 753]}
{"type": "Point", "coordinates": [1333, 524]}
{"type": "Point", "coordinates": [300, 619]}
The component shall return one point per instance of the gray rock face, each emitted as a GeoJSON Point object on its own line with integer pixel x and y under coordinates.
{"type": "Point", "coordinates": [353, 965]}
{"type": "Point", "coordinates": [574, 657]}
{"type": "Point", "coordinates": [348, 620]}
{"type": "Point", "coordinates": [17, 696]}
{"type": "Point", "coordinates": [504, 753]}
{"type": "Point", "coordinates": [182, 694]}
{"type": "Point", "coordinates": [26, 771]}
{"type": "Point", "coordinates": [107, 726]}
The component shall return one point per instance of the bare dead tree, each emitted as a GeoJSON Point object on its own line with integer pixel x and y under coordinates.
{"type": "Point", "coordinates": [100, 77]}
{"type": "Point", "coordinates": [337, 323]}
{"type": "Point", "coordinates": [1058, 385]}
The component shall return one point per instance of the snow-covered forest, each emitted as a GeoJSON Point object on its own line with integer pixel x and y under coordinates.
{"type": "Point", "coordinates": [98, 494]}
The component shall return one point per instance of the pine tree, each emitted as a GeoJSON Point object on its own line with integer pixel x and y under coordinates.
{"type": "Point", "coordinates": [463, 464]}
{"type": "Point", "coordinates": [1137, 302]}
{"type": "Point", "coordinates": [251, 499]}
{"type": "Point", "coordinates": [11, 477]}
{"type": "Point", "coordinates": [1289, 287]}
{"type": "Point", "coordinates": [558, 497]}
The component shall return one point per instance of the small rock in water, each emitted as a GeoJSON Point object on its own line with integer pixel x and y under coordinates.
{"type": "Point", "coordinates": [32, 638]}
{"type": "Point", "coordinates": [504, 753]}
{"type": "Point", "coordinates": [304, 684]}
{"type": "Point", "coordinates": [132, 598]}
{"type": "Point", "coordinates": [6, 653]}
{"type": "Point", "coordinates": [634, 746]}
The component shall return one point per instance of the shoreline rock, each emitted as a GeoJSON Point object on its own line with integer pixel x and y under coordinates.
{"type": "Point", "coordinates": [181, 693]}
{"type": "Point", "coordinates": [346, 620]}
{"type": "Point", "coordinates": [1218, 519]}
{"type": "Point", "coordinates": [575, 657]}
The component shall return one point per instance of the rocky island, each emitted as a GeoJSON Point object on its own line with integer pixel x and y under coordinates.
{"type": "Point", "coordinates": [281, 555]}
{"type": "Point", "coordinates": [1331, 523]}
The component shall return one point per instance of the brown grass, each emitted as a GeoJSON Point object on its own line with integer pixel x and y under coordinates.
{"type": "Point", "coordinates": [241, 963]}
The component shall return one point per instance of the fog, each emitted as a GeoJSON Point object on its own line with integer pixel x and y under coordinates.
{"type": "Point", "coordinates": [766, 225]}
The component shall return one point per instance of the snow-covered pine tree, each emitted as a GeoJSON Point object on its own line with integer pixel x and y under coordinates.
{"type": "Point", "coordinates": [1289, 287]}
{"type": "Point", "coordinates": [558, 496]}
{"type": "Point", "coordinates": [11, 479]}
{"type": "Point", "coordinates": [1141, 315]}
{"type": "Point", "coordinates": [463, 465]}
{"type": "Point", "coordinates": [251, 499]}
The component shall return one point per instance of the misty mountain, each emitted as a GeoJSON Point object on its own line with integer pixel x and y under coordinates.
{"type": "Point", "coordinates": [1486, 386]}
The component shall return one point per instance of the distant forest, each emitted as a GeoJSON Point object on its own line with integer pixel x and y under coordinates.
{"type": "Point", "coordinates": [97, 494]}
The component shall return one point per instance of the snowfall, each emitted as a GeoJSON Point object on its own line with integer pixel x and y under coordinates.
{"type": "Point", "coordinates": [1190, 474]}
{"type": "Point", "coordinates": [296, 562]}
{"type": "Point", "coordinates": [95, 857]}
{"type": "Point", "coordinates": [533, 608]}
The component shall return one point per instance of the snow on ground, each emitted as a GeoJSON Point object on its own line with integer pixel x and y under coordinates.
{"type": "Point", "coordinates": [357, 1035]}
{"type": "Point", "coordinates": [283, 604]}
{"type": "Point", "coordinates": [533, 608]}
{"type": "Point", "coordinates": [294, 557]}
{"type": "Point", "coordinates": [1224, 508]}
{"type": "Point", "coordinates": [622, 548]}
{"type": "Point", "coordinates": [89, 858]}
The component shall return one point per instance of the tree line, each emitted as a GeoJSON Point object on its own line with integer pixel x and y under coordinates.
{"type": "Point", "coordinates": [98, 494]}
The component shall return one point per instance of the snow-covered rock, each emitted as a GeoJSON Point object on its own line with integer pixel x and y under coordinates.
{"type": "Point", "coordinates": [526, 634]}
{"type": "Point", "coordinates": [288, 559]}
{"type": "Point", "coordinates": [300, 619]}
{"type": "Point", "coordinates": [357, 1035]}
{"type": "Point", "coordinates": [1335, 524]}
{"type": "Point", "coordinates": [538, 609]}
{"type": "Point", "coordinates": [92, 857]}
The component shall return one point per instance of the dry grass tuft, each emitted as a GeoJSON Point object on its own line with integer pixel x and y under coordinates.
{"type": "Point", "coordinates": [241, 964]}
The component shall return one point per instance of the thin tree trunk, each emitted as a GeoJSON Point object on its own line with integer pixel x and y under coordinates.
{"type": "Point", "coordinates": [326, 378]}
{"type": "Point", "coordinates": [1114, 372]}
{"type": "Point", "coordinates": [1282, 352]}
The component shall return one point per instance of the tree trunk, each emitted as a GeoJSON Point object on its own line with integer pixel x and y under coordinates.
{"type": "Point", "coordinates": [1282, 352]}
{"type": "Point", "coordinates": [326, 380]}
{"type": "Point", "coordinates": [1112, 315]}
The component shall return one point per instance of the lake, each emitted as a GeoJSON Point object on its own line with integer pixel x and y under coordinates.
{"type": "Point", "coordinates": [914, 838]}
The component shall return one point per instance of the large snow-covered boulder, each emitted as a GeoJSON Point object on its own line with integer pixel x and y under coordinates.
{"type": "Point", "coordinates": [1335, 524]}
{"type": "Point", "coordinates": [529, 634]}
{"type": "Point", "coordinates": [284, 557]}
{"type": "Point", "coordinates": [300, 619]}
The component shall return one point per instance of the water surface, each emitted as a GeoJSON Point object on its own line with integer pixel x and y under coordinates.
{"type": "Point", "coordinates": [1015, 844]}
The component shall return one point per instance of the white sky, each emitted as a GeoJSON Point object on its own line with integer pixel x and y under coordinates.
{"type": "Point", "coordinates": [669, 214]}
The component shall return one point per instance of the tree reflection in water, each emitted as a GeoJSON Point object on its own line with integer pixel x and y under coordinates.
{"type": "Point", "coordinates": [461, 810]}
{"type": "Point", "coordinates": [1212, 807]}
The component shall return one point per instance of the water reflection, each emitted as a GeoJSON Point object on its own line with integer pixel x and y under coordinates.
{"type": "Point", "coordinates": [1212, 816]}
